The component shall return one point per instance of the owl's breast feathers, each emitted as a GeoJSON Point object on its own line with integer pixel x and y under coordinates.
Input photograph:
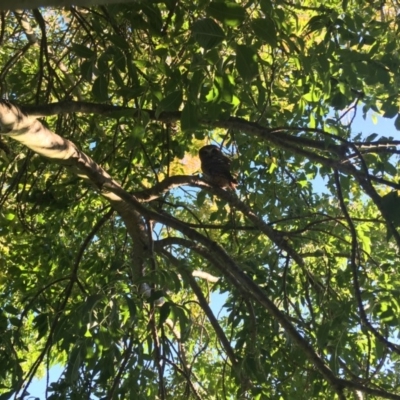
{"type": "Point", "coordinates": [216, 167]}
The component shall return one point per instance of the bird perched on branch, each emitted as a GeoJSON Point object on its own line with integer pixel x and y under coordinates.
{"type": "Point", "coordinates": [216, 167]}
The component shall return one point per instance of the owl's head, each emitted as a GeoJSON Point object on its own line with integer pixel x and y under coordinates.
{"type": "Point", "coordinates": [209, 150]}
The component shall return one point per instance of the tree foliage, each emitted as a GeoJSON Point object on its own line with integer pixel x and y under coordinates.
{"type": "Point", "coordinates": [112, 245]}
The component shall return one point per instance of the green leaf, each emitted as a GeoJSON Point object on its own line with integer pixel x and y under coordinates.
{"type": "Point", "coordinates": [390, 169]}
{"type": "Point", "coordinates": [91, 303]}
{"type": "Point", "coordinates": [397, 122]}
{"type": "Point", "coordinates": [117, 77]}
{"type": "Point", "coordinates": [132, 307]}
{"type": "Point", "coordinates": [189, 120]}
{"type": "Point", "coordinates": [383, 76]}
{"type": "Point", "coordinates": [83, 51]}
{"type": "Point", "coordinates": [184, 322]}
{"type": "Point", "coordinates": [41, 323]}
{"type": "Point", "coordinates": [195, 85]}
{"type": "Point", "coordinates": [371, 137]}
{"type": "Point", "coordinates": [74, 363]}
{"type": "Point", "coordinates": [100, 88]}
{"type": "Point", "coordinates": [339, 101]}
{"type": "Point", "coordinates": [318, 22]}
{"type": "Point", "coordinates": [138, 131]}
{"type": "Point", "coordinates": [15, 322]}
{"type": "Point", "coordinates": [87, 68]}
{"type": "Point", "coordinates": [7, 395]}
{"type": "Point", "coordinates": [165, 310]}
{"type": "Point", "coordinates": [391, 204]}
{"type": "Point", "coordinates": [207, 33]}
{"type": "Point", "coordinates": [225, 88]}
{"type": "Point", "coordinates": [154, 17]}
{"type": "Point", "coordinates": [119, 58]}
{"type": "Point", "coordinates": [201, 197]}
{"type": "Point", "coordinates": [103, 63]}
{"type": "Point", "coordinates": [171, 102]}
{"type": "Point", "coordinates": [246, 62]}
{"type": "Point", "coordinates": [229, 13]}
{"type": "Point", "coordinates": [266, 6]}
{"type": "Point", "coordinates": [390, 110]}
{"type": "Point", "coordinates": [118, 41]}
{"type": "Point", "coordinates": [264, 28]}
{"type": "Point", "coordinates": [11, 309]}
{"type": "Point", "coordinates": [10, 216]}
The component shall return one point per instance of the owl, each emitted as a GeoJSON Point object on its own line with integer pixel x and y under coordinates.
{"type": "Point", "coordinates": [215, 167]}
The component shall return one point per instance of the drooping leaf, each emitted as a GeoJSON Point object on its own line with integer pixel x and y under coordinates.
{"type": "Point", "coordinates": [189, 118]}
{"type": "Point", "coordinates": [246, 62]}
{"type": "Point", "coordinates": [207, 33]}
{"type": "Point", "coordinates": [100, 88]}
{"type": "Point", "coordinates": [83, 51]}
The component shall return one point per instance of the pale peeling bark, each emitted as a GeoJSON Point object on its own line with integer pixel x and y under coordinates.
{"type": "Point", "coordinates": [206, 276]}
{"type": "Point", "coordinates": [34, 135]}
